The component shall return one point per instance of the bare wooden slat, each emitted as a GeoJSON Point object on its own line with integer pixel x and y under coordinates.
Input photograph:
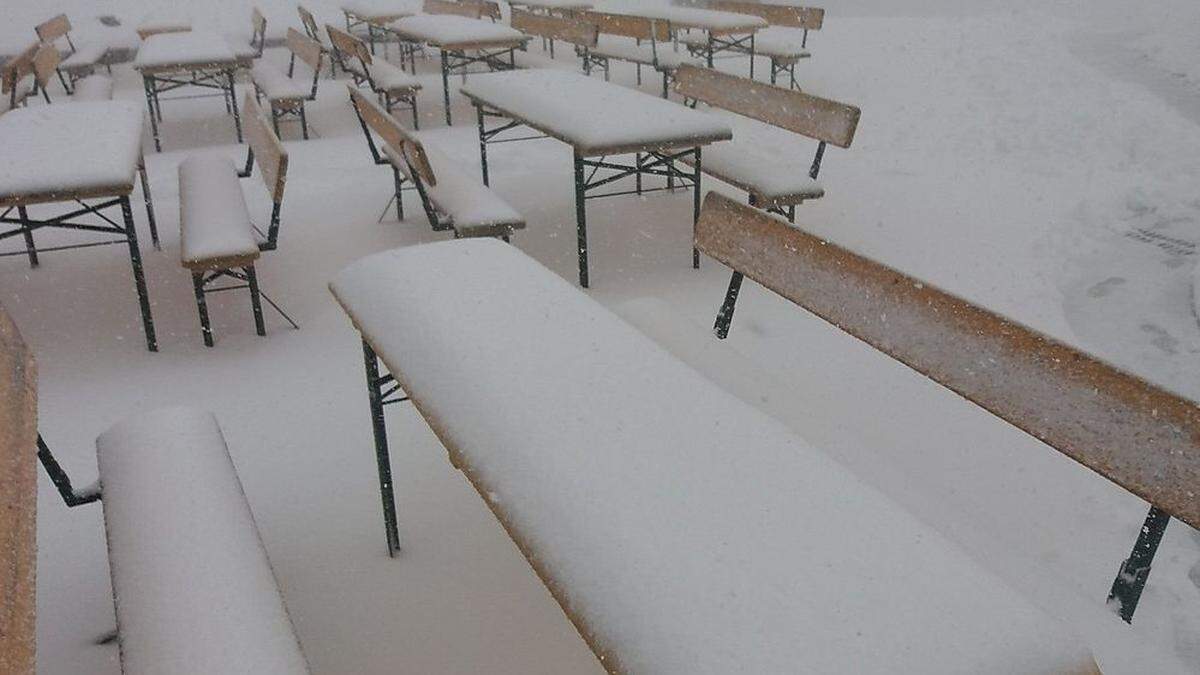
{"type": "Point", "coordinates": [469, 10]}
{"type": "Point", "coordinates": [305, 48]}
{"type": "Point", "coordinates": [258, 22]}
{"type": "Point", "coordinates": [52, 29]}
{"type": "Point", "coordinates": [18, 501]}
{"type": "Point", "coordinates": [808, 18]}
{"type": "Point", "coordinates": [1139, 436]}
{"type": "Point", "coordinates": [17, 68]}
{"type": "Point", "coordinates": [347, 44]}
{"type": "Point", "coordinates": [45, 63]}
{"type": "Point", "coordinates": [625, 25]}
{"type": "Point", "coordinates": [269, 154]}
{"type": "Point", "coordinates": [796, 111]}
{"type": "Point", "coordinates": [562, 28]}
{"type": "Point", "coordinates": [394, 135]}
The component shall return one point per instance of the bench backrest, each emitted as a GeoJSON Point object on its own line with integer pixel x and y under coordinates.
{"type": "Point", "coordinates": [45, 64]}
{"type": "Point", "coordinates": [52, 29]}
{"type": "Point", "coordinates": [820, 118]}
{"type": "Point", "coordinates": [382, 123]}
{"type": "Point", "coordinates": [1137, 435]}
{"type": "Point", "coordinates": [563, 28]}
{"type": "Point", "coordinates": [348, 45]}
{"type": "Point", "coordinates": [808, 18]}
{"type": "Point", "coordinates": [269, 153]}
{"type": "Point", "coordinates": [16, 69]}
{"type": "Point", "coordinates": [309, 22]}
{"type": "Point", "coordinates": [305, 48]}
{"type": "Point", "coordinates": [468, 9]}
{"type": "Point", "coordinates": [258, 25]}
{"type": "Point", "coordinates": [18, 499]}
{"type": "Point", "coordinates": [625, 25]}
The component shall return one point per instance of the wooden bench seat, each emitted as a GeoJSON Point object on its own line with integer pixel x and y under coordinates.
{"type": "Point", "coordinates": [681, 530]}
{"type": "Point", "coordinates": [627, 49]}
{"type": "Point", "coordinates": [452, 196]}
{"type": "Point", "coordinates": [767, 165]}
{"type": "Point", "coordinates": [389, 82]}
{"type": "Point", "coordinates": [192, 584]}
{"type": "Point", "coordinates": [634, 39]}
{"type": "Point", "coordinates": [286, 96]}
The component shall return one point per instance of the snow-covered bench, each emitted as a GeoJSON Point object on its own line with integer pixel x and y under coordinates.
{"type": "Point", "coordinates": [681, 530]}
{"type": "Point", "coordinates": [638, 40]}
{"type": "Point", "coordinates": [390, 83]}
{"type": "Point", "coordinates": [1137, 435]}
{"type": "Point", "coordinates": [776, 178]}
{"type": "Point", "coordinates": [192, 584]}
{"type": "Point", "coordinates": [785, 42]}
{"type": "Point", "coordinates": [248, 47]}
{"type": "Point", "coordinates": [313, 30]}
{"type": "Point", "coordinates": [46, 61]}
{"type": "Point", "coordinates": [285, 95]}
{"type": "Point", "coordinates": [452, 197]}
{"type": "Point", "coordinates": [218, 236]}
{"type": "Point", "coordinates": [81, 60]}
{"type": "Point", "coordinates": [17, 80]}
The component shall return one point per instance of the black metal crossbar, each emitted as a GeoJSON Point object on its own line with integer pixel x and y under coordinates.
{"type": "Point", "coordinates": [459, 62]}
{"type": "Point", "coordinates": [221, 79]}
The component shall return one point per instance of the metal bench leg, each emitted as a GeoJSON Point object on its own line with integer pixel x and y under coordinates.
{"type": "Point", "coordinates": [255, 300]}
{"type": "Point", "coordinates": [149, 206]}
{"type": "Point", "coordinates": [446, 85]}
{"type": "Point", "coordinates": [148, 85]}
{"type": "Point", "coordinates": [695, 208]}
{"type": "Point", "coordinates": [27, 233]}
{"type": "Point", "coordinates": [237, 116]}
{"type": "Point", "coordinates": [303, 122]}
{"type": "Point", "coordinates": [382, 458]}
{"type": "Point", "coordinates": [483, 164]}
{"type": "Point", "coordinates": [398, 182]}
{"type": "Point", "coordinates": [139, 275]}
{"type": "Point", "coordinates": [581, 220]}
{"type": "Point", "coordinates": [202, 307]}
{"type": "Point", "coordinates": [1131, 578]}
{"type": "Point", "coordinates": [725, 315]}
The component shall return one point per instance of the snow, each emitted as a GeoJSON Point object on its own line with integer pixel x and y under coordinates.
{"type": "Point", "coordinates": [592, 115]}
{"type": "Point", "coordinates": [93, 88]}
{"type": "Point", "coordinates": [627, 49]}
{"type": "Point", "coordinates": [388, 77]}
{"type": "Point", "coordinates": [772, 162]}
{"type": "Point", "coordinates": [193, 588]}
{"type": "Point", "coordinates": [86, 56]}
{"type": "Point", "coordinates": [275, 83]}
{"type": "Point", "coordinates": [183, 49]}
{"type": "Point", "coordinates": [678, 523]}
{"type": "Point", "coordinates": [1031, 156]}
{"type": "Point", "coordinates": [367, 9]}
{"type": "Point", "coordinates": [781, 41]}
{"type": "Point", "coordinates": [70, 148]}
{"type": "Point", "coordinates": [449, 31]}
{"type": "Point", "coordinates": [471, 205]}
{"type": "Point", "coordinates": [214, 221]}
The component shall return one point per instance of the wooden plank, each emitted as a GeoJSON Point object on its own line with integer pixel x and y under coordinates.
{"type": "Point", "coordinates": [555, 27]}
{"type": "Point", "coordinates": [1139, 436]}
{"type": "Point", "coordinates": [796, 111]}
{"type": "Point", "coordinates": [394, 135]}
{"type": "Point", "coordinates": [625, 25]}
{"type": "Point", "coordinates": [269, 154]}
{"type": "Point", "coordinates": [52, 29]}
{"type": "Point", "coordinates": [305, 48]}
{"type": "Point", "coordinates": [808, 18]}
{"type": "Point", "coordinates": [18, 501]}
{"type": "Point", "coordinates": [469, 10]}
{"type": "Point", "coordinates": [45, 63]}
{"type": "Point", "coordinates": [309, 21]}
{"type": "Point", "coordinates": [347, 44]}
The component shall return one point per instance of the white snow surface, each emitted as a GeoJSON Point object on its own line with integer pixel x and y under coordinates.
{"type": "Point", "coordinates": [194, 591]}
{"type": "Point", "coordinates": [690, 532]}
{"type": "Point", "coordinates": [214, 222]}
{"type": "Point", "coordinates": [688, 17]}
{"type": "Point", "coordinates": [182, 49]}
{"type": "Point", "coordinates": [459, 193]}
{"type": "Point", "coordinates": [591, 114]}
{"type": "Point", "coordinates": [65, 148]}
{"type": "Point", "coordinates": [373, 8]}
{"type": "Point", "coordinates": [449, 30]}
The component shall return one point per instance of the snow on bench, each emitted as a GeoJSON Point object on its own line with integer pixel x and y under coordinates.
{"type": "Point", "coordinates": [248, 47]}
{"type": "Point", "coordinates": [192, 584]}
{"type": "Point", "coordinates": [622, 37]}
{"type": "Point", "coordinates": [80, 60]}
{"type": "Point", "coordinates": [681, 530]}
{"type": "Point", "coordinates": [217, 235]}
{"type": "Point", "coordinates": [17, 78]}
{"type": "Point", "coordinates": [1141, 437]}
{"type": "Point", "coordinates": [91, 88]}
{"type": "Point", "coordinates": [391, 83]}
{"type": "Point", "coordinates": [285, 95]}
{"type": "Point", "coordinates": [771, 172]}
{"type": "Point", "coordinates": [452, 196]}
{"type": "Point", "coordinates": [456, 32]}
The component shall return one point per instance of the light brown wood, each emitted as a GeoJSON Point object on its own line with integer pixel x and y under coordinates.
{"type": "Point", "coordinates": [258, 23]}
{"type": "Point", "coordinates": [52, 29]}
{"type": "Point", "coordinates": [801, 113]}
{"type": "Point", "coordinates": [305, 48]}
{"type": "Point", "coordinates": [1137, 435]}
{"type": "Point", "coordinates": [310, 23]}
{"type": "Point", "coordinates": [269, 153]}
{"type": "Point", "coordinates": [394, 136]}
{"type": "Point", "coordinates": [348, 45]}
{"type": "Point", "coordinates": [45, 63]}
{"type": "Point", "coordinates": [469, 10]}
{"type": "Point", "coordinates": [486, 8]}
{"type": "Point", "coordinates": [17, 68]}
{"type": "Point", "coordinates": [808, 18]}
{"type": "Point", "coordinates": [18, 501]}
{"type": "Point", "coordinates": [562, 28]}
{"type": "Point", "coordinates": [145, 33]}
{"type": "Point", "coordinates": [637, 27]}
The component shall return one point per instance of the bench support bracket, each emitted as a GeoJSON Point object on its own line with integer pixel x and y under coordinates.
{"type": "Point", "coordinates": [1131, 578]}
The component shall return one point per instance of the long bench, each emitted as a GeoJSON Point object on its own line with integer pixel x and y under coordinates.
{"type": "Point", "coordinates": [452, 197]}
{"type": "Point", "coordinates": [284, 94]}
{"type": "Point", "coordinates": [638, 40]}
{"type": "Point", "coordinates": [390, 83]}
{"type": "Point", "coordinates": [218, 236]}
{"type": "Point", "coordinates": [776, 178]}
{"type": "Point", "coordinates": [785, 42]}
{"type": "Point", "coordinates": [1137, 435]}
{"type": "Point", "coordinates": [681, 530]}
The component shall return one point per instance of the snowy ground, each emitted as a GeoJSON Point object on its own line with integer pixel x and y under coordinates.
{"type": "Point", "coordinates": [1039, 159]}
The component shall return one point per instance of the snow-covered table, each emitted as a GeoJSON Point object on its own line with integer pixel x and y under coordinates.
{"type": "Point", "coordinates": [368, 18]}
{"type": "Point", "coordinates": [463, 42]}
{"type": "Point", "coordinates": [597, 119]}
{"type": "Point", "coordinates": [680, 529]}
{"type": "Point", "coordinates": [169, 61]}
{"type": "Point", "coordinates": [84, 154]}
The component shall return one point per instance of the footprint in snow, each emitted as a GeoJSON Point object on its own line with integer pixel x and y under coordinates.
{"type": "Point", "coordinates": [1161, 338]}
{"type": "Point", "coordinates": [1105, 287]}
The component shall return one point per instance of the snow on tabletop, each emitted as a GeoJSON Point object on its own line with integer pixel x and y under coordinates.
{"type": "Point", "coordinates": [594, 115]}
{"type": "Point", "coordinates": [65, 148]}
{"type": "Point", "coordinates": [687, 531]}
{"type": "Point", "coordinates": [373, 8]}
{"type": "Point", "coordinates": [451, 29]}
{"type": "Point", "coordinates": [193, 588]}
{"type": "Point", "coordinates": [192, 47]}
{"type": "Point", "coordinates": [214, 221]}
